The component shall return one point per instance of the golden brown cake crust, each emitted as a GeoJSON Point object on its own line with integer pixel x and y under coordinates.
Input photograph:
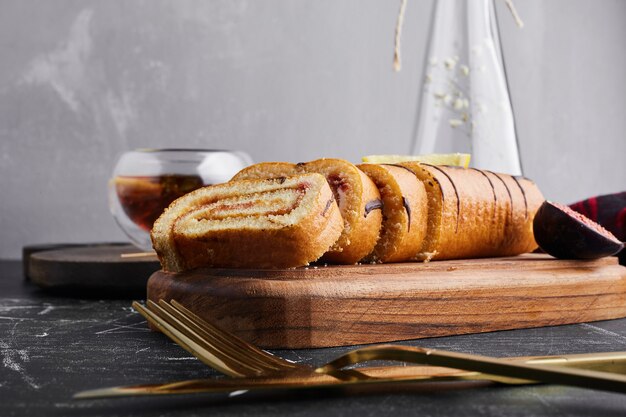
{"type": "Point", "coordinates": [482, 213]}
{"type": "Point", "coordinates": [297, 242]}
{"type": "Point", "coordinates": [268, 170]}
{"type": "Point", "coordinates": [353, 191]}
{"type": "Point", "coordinates": [405, 213]}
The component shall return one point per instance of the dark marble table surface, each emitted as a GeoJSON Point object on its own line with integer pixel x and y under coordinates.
{"type": "Point", "coordinates": [53, 345]}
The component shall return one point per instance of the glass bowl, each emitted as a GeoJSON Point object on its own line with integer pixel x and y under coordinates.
{"type": "Point", "coordinates": [146, 181]}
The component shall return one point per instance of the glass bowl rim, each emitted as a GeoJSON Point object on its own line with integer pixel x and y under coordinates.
{"type": "Point", "coordinates": [157, 150]}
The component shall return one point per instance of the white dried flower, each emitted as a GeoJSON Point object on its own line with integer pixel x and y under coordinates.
{"type": "Point", "coordinates": [439, 96]}
{"type": "Point", "coordinates": [464, 70]}
{"type": "Point", "coordinates": [428, 78]}
{"type": "Point", "coordinates": [458, 104]}
{"type": "Point", "coordinates": [465, 103]}
{"type": "Point", "coordinates": [449, 63]}
{"type": "Point", "coordinates": [454, 123]}
{"type": "Point", "coordinates": [447, 99]}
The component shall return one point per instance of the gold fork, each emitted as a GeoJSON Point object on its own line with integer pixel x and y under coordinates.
{"type": "Point", "coordinates": [233, 356]}
{"type": "Point", "coordinates": [215, 347]}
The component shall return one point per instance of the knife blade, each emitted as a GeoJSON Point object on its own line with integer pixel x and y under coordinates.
{"type": "Point", "coordinates": [292, 380]}
{"type": "Point", "coordinates": [606, 362]}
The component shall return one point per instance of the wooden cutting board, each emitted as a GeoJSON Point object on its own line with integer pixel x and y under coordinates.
{"type": "Point", "coordinates": [358, 304]}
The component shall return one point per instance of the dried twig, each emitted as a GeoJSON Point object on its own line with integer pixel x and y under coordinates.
{"type": "Point", "coordinates": [511, 7]}
{"type": "Point", "coordinates": [397, 65]}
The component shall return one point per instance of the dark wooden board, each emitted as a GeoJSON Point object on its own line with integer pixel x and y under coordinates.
{"type": "Point", "coordinates": [29, 250]}
{"type": "Point", "coordinates": [357, 304]}
{"type": "Point", "coordinates": [92, 269]}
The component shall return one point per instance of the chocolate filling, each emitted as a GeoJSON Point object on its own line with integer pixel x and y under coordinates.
{"type": "Point", "coordinates": [493, 190]}
{"type": "Point", "coordinates": [508, 191]}
{"type": "Point", "coordinates": [330, 201]}
{"type": "Point", "coordinates": [405, 203]}
{"type": "Point", "coordinates": [373, 205]}
{"type": "Point", "coordinates": [401, 166]}
{"type": "Point", "coordinates": [456, 193]}
{"type": "Point", "coordinates": [523, 194]}
{"type": "Point", "coordinates": [429, 182]}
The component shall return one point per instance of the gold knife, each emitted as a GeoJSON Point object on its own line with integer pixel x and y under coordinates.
{"type": "Point", "coordinates": [293, 380]}
{"type": "Point", "coordinates": [614, 362]}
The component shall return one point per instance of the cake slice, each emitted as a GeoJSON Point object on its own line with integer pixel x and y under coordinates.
{"type": "Point", "coordinates": [474, 213]}
{"type": "Point", "coordinates": [356, 195]}
{"type": "Point", "coordinates": [405, 213]}
{"type": "Point", "coordinates": [268, 223]}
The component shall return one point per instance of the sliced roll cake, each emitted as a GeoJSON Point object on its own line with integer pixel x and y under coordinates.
{"type": "Point", "coordinates": [269, 223]}
{"type": "Point", "coordinates": [474, 213]}
{"type": "Point", "coordinates": [356, 195]}
{"type": "Point", "coordinates": [405, 213]}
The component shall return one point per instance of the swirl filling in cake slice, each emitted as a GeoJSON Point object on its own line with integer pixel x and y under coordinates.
{"type": "Point", "coordinates": [405, 213]}
{"type": "Point", "coordinates": [356, 195]}
{"type": "Point", "coordinates": [270, 223]}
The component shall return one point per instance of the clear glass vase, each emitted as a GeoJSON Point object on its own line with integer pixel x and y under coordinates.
{"type": "Point", "coordinates": [465, 104]}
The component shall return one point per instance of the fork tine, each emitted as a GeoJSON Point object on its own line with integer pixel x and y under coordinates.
{"type": "Point", "coordinates": [258, 366]}
{"type": "Point", "coordinates": [187, 343]}
{"type": "Point", "coordinates": [194, 344]}
{"type": "Point", "coordinates": [218, 350]}
{"type": "Point", "coordinates": [244, 349]}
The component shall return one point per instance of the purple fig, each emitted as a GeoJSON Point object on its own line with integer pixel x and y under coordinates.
{"type": "Point", "coordinates": [566, 234]}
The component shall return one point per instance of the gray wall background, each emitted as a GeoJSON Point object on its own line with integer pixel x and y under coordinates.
{"type": "Point", "coordinates": [82, 81]}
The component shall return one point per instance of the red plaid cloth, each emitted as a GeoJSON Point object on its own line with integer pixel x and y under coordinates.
{"type": "Point", "coordinates": [610, 212]}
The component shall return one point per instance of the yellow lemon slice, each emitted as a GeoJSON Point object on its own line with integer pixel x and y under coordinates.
{"type": "Point", "coordinates": [454, 159]}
